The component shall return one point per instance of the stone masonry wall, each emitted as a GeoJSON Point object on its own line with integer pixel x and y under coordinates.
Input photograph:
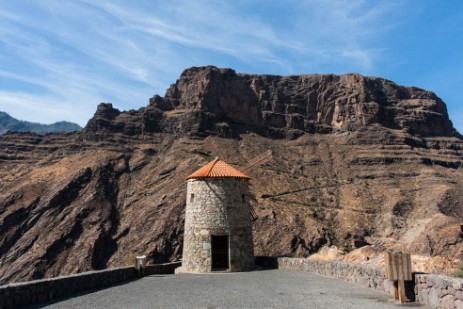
{"type": "Point", "coordinates": [439, 291]}
{"type": "Point", "coordinates": [32, 292]}
{"type": "Point", "coordinates": [217, 207]}
{"type": "Point", "coordinates": [158, 269]}
{"type": "Point", "coordinates": [368, 276]}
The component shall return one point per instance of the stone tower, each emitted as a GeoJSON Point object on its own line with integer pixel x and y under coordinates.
{"type": "Point", "coordinates": [218, 226]}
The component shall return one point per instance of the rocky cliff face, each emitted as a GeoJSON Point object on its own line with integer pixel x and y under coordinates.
{"type": "Point", "coordinates": [210, 100]}
{"type": "Point", "coordinates": [357, 160]}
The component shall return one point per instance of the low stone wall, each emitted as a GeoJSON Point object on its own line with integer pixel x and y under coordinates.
{"type": "Point", "coordinates": [368, 276]}
{"type": "Point", "coordinates": [157, 269]}
{"type": "Point", "coordinates": [439, 291]}
{"type": "Point", "coordinates": [267, 262]}
{"type": "Point", "coordinates": [435, 290]}
{"type": "Point", "coordinates": [32, 292]}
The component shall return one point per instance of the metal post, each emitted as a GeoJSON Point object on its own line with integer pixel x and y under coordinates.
{"type": "Point", "coordinates": [140, 262]}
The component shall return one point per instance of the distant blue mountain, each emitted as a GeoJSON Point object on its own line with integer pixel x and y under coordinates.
{"type": "Point", "coordinates": [8, 123]}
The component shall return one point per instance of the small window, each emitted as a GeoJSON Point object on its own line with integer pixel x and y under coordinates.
{"type": "Point", "coordinates": [192, 198]}
{"type": "Point", "coordinates": [243, 198]}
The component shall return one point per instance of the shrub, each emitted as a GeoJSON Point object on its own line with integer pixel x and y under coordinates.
{"type": "Point", "coordinates": [459, 270]}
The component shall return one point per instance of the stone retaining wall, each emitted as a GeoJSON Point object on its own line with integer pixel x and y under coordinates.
{"type": "Point", "coordinates": [435, 290]}
{"type": "Point", "coordinates": [156, 269]}
{"type": "Point", "coordinates": [32, 292]}
{"type": "Point", "coordinates": [368, 276]}
{"type": "Point", "coordinates": [439, 291]}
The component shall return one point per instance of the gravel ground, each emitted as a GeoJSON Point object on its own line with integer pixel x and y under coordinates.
{"type": "Point", "coordinates": [257, 289]}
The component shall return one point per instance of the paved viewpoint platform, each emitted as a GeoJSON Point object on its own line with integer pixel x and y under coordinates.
{"type": "Point", "coordinates": [256, 289]}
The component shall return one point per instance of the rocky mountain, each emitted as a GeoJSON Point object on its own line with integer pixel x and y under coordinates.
{"type": "Point", "coordinates": [8, 123]}
{"type": "Point", "coordinates": [356, 160]}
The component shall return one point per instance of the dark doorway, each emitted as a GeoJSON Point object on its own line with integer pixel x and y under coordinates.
{"type": "Point", "coordinates": [219, 247]}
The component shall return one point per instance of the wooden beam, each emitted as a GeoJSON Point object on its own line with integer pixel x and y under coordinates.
{"type": "Point", "coordinates": [259, 160]}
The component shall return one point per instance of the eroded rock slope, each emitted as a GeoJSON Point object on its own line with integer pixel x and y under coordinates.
{"type": "Point", "coordinates": [356, 160]}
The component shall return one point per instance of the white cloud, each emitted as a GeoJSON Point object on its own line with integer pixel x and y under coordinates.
{"type": "Point", "coordinates": [83, 52]}
{"type": "Point", "coordinates": [47, 109]}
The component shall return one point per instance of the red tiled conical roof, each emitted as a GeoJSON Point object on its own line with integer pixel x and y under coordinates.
{"type": "Point", "coordinates": [217, 169]}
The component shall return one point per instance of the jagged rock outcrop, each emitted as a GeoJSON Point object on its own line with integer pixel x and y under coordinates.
{"type": "Point", "coordinates": [208, 99]}
{"type": "Point", "coordinates": [356, 160]}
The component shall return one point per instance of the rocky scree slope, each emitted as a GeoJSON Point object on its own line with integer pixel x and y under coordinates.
{"type": "Point", "coordinates": [357, 160]}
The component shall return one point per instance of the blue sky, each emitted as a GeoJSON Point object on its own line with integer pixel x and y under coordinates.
{"type": "Point", "coordinates": [59, 59]}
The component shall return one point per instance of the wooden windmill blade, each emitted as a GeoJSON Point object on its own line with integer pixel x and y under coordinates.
{"type": "Point", "coordinates": [259, 160]}
{"type": "Point", "coordinates": [299, 190]}
{"type": "Point", "coordinates": [214, 147]}
{"type": "Point", "coordinates": [180, 180]}
{"type": "Point", "coordinates": [253, 213]}
{"type": "Point", "coordinates": [176, 177]}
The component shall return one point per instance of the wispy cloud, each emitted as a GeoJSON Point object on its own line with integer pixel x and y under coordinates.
{"type": "Point", "coordinates": [79, 53]}
{"type": "Point", "coordinates": [44, 108]}
{"type": "Point", "coordinates": [322, 30]}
